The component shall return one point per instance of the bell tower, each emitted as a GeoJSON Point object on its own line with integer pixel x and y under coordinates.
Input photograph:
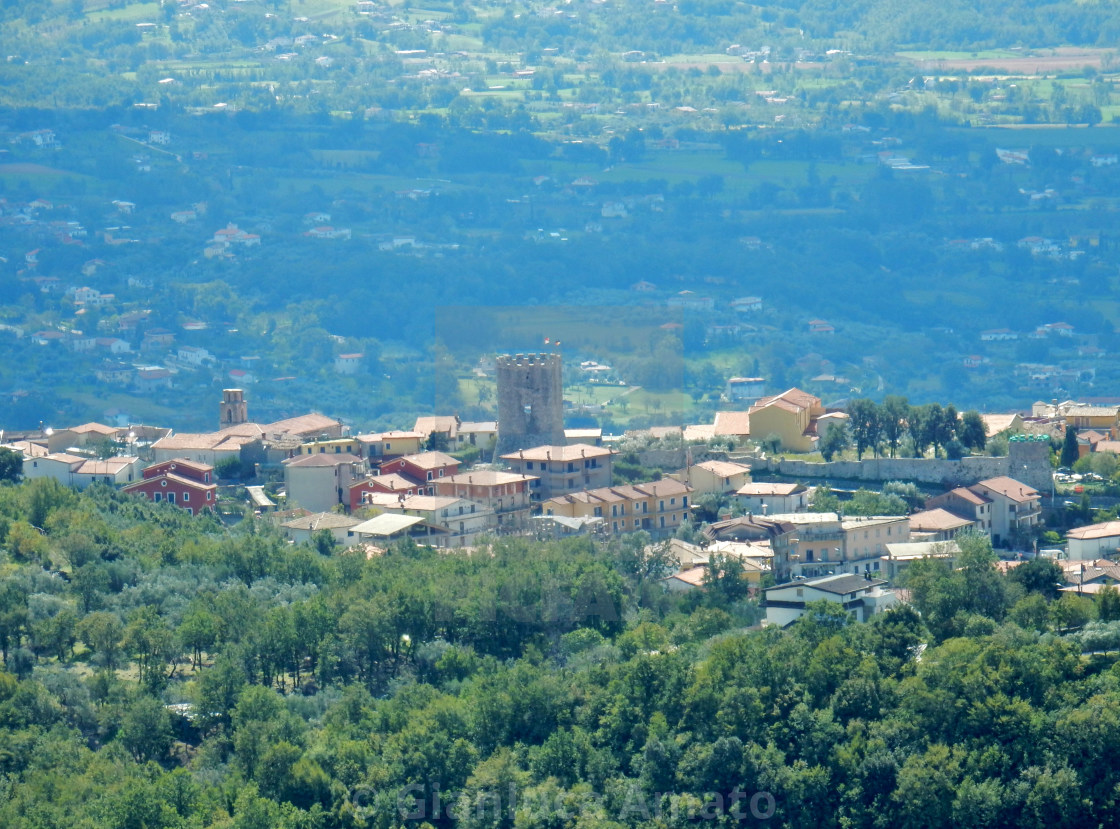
{"type": "Point", "coordinates": [233, 410]}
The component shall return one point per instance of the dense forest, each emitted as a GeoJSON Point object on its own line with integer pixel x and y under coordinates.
{"type": "Point", "coordinates": [162, 671]}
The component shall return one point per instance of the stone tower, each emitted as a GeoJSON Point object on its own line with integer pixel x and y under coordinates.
{"type": "Point", "coordinates": [233, 410]}
{"type": "Point", "coordinates": [1028, 461]}
{"type": "Point", "coordinates": [530, 402]}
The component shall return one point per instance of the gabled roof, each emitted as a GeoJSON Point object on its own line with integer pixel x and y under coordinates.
{"type": "Point", "coordinates": [106, 466]}
{"type": "Point", "coordinates": [724, 469]}
{"type": "Point", "coordinates": [800, 399]}
{"type": "Point", "coordinates": [190, 483]}
{"type": "Point", "coordinates": [321, 521]}
{"type": "Point", "coordinates": [486, 477]}
{"type": "Point", "coordinates": [322, 459]}
{"type": "Point", "coordinates": [840, 584]}
{"type": "Point", "coordinates": [429, 460]}
{"type": "Point", "coordinates": [966, 494]}
{"type": "Point", "coordinates": [732, 424]}
{"type": "Point", "coordinates": [937, 520]}
{"type": "Point", "coordinates": [767, 488]}
{"type": "Point", "coordinates": [1010, 488]}
{"type": "Point", "coordinates": [448, 424]}
{"type": "Point", "coordinates": [94, 428]}
{"type": "Point", "coordinates": [1106, 529]}
{"type": "Point", "coordinates": [575, 452]}
{"type": "Point", "coordinates": [392, 481]}
{"type": "Point", "coordinates": [308, 424]}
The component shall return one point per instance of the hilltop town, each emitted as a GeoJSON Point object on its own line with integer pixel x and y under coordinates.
{"type": "Point", "coordinates": [750, 487]}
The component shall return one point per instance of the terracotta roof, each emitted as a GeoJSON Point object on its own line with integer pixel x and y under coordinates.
{"type": "Point", "coordinates": [698, 431]}
{"type": "Point", "coordinates": [969, 495]}
{"type": "Point", "coordinates": [575, 452]}
{"type": "Point", "coordinates": [693, 575]}
{"type": "Point", "coordinates": [633, 492]}
{"type": "Point", "coordinates": [1106, 529]}
{"type": "Point", "coordinates": [1010, 488]}
{"type": "Point", "coordinates": [106, 466]}
{"type": "Point", "coordinates": [763, 488]}
{"type": "Point", "coordinates": [98, 428]}
{"type": "Point", "coordinates": [799, 398]}
{"type": "Point", "coordinates": [308, 424]}
{"type": "Point", "coordinates": [732, 424]}
{"type": "Point", "coordinates": [724, 469]}
{"type": "Point", "coordinates": [437, 423]}
{"type": "Point", "coordinates": [486, 477]}
{"type": "Point", "coordinates": [937, 520]}
{"type": "Point", "coordinates": [996, 423]}
{"type": "Point", "coordinates": [430, 460]}
{"type": "Point", "coordinates": [392, 481]}
{"type": "Point", "coordinates": [170, 476]}
{"type": "Point", "coordinates": [322, 459]}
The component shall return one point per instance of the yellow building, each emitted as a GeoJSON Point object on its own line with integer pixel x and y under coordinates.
{"type": "Point", "coordinates": [659, 507]}
{"type": "Point", "coordinates": [790, 415]}
{"type": "Point", "coordinates": [391, 444]}
{"type": "Point", "coordinates": [331, 446]}
{"type": "Point", "coordinates": [717, 477]}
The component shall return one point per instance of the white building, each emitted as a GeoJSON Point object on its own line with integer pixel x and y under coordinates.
{"type": "Point", "coordinates": [1095, 541]}
{"type": "Point", "coordinates": [860, 596]}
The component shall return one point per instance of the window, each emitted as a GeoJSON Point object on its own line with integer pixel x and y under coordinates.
{"type": "Point", "coordinates": [529, 465]}
{"type": "Point", "coordinates": [186, 497]}
{"type": "Point", "coordinates": [808, 555]}
{"type": "Point", "coordinates": [672, 500]}
{"type": "Point", "coordinates": [429, 476]}
{"type": "Point", "coordinates": [209, 496]}
{"type": "Point", "coordinates": [171, 497]}
{"type": "Point", "coordinates": [441, 473]}
{"type": "Point", "coordinates": [684, 501]}
{"type": "Point", "coordinates": [157, 496]}
{"type": "Point", "coordinates": [598, 512]}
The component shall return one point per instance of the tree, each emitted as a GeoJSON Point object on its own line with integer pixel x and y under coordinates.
{"type": "Point", "coordinates": [823, 500]}
{"type": "Point", "coordinates": [894, 414]}
{"type": "Point", "coordinates": [102, 633]}
{"type": "Point", "coordinates": [972, 433]}
{"type": "Point", "coordinates": [866, 423]}
{"type": "Point", "coordinates": [146, 729]}
{"type": "Point", "coordinates": [436, 442]}
{"type": "Point", "coordinates": [1108, 604]}
{"type": "Point", "coordinates": [1070, 452]}
{"type": "Point", "coordinates": [836, 439]}
{"type": "Point", "coordinates": [1039, 575]}
{"type": "Point", "coordinates": [228, 469]}
{"type": "Point", "coordinates": [11, 465]}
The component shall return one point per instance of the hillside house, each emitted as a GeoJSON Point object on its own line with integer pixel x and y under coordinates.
{"type": "Point", "coordinates": [180, 482]}
{"type": "Point", "coordinates": [658, 507]}
{"type": "Point", "coordinates": [860, 596]}
{"type": "Point", "coordinates": [559, 470]}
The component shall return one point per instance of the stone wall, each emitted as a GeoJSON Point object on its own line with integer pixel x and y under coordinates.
{"type": "Point", "coordinates": [1028, 461]}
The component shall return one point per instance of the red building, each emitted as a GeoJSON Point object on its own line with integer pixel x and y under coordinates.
{"type": "Point", "coordinates": [425, 468]}
{"type": "Point", "coordinates": [391, 484]}
{"type": "Point", "coordinates": [186, 484]}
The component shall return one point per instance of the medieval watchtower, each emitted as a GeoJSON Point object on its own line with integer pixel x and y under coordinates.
{"type": "Point", "coordinates": [233, 409]}
{"type": "Point", "coordinates": [530, 402]}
